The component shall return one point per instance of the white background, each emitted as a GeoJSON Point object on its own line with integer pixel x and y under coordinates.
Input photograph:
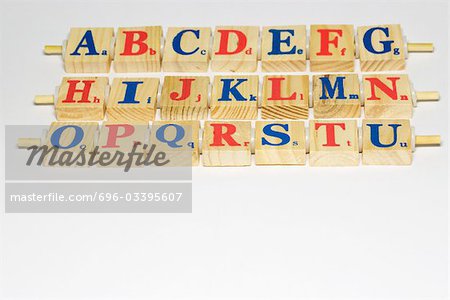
{"type": "Point", "coordinates": [255, 232]}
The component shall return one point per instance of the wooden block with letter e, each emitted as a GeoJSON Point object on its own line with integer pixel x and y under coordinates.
{"type": "Point", "coordinates": [333, 143]}
{"type": "Point", "coordinates": [226, 143]}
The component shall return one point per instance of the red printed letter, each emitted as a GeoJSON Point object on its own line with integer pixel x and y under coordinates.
{"type": "Point", "coordinates": [73, 89]}
{"type": "Point", "coordinates": [377, 83]}
{"type": "Point", "coordinates": [185, 90]}
{"type": "Point", "coordinates": [276, 90]}
{"type": "Point", "coordinates": [219, 135]}
{"type": "Point", "coordinates": [325, 40]}
{"type": "Point", "coordinates": [329, 129]}
{"type": "Point", "coordinates": [113, 134]}
{"type": "Point", "coordinates": [224, 37]}
{"type": "Point", "coordinates": [139, 42]}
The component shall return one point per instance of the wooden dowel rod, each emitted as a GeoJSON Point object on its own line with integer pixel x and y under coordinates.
{"type": "Point", "coordinates": [420, 47]}
{"type": "Point", "coordinates": [427, 96]}
{"type": "Point", "coordinates": [44, 100]}
{"type": "Point", "coordinates": [53, 49]}
{"type": "Point", "coordinates": [428, 140]}
{"type": "Point", "coordinates": [28, 142]}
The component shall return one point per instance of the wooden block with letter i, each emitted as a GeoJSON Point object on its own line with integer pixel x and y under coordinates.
{"type": "Point", "coordinates": [280, 143]}
{"type": "Point", "coordinates": [333, 143]}
{"type": "Point", "coordinates": [226, 143]}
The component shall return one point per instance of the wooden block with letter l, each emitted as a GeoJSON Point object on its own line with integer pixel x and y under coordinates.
{"type": "Point", "coordinates": [280, 143]}
{"type": "Point", "coordinates": [138, 49]}
{"type": "Point", "coordinates": [226, 143]}
{"type": "Point", "coordinates": [185, 98]}
{"type": "Point", "coordinates": [283, 48]}
{"type": "Point", "coordinates": [336, 96]}
{"type": "Point", "coordinates": [133, 99]}
{"type": "Point", "coordinates": [285, 97]}
{"type": "Point", "coordinates": [187, 49]}
{"type": "Point", "coordinates": [333, 143]}
{"type": "Point", "coordinates": [332, 48]}
{"type": "Point", "coordinates": [235, 97]}
{"type": "Point", "coordinates": [235, 49]}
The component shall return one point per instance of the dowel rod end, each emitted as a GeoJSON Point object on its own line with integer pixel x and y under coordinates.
{"type": "Point", "coordinates": [428, 140]}
{"type": "Point", "coordinates": [420, 47]}
{"type": "Point", "coordinates": [23, 143]}
{"type": "Point", "coordinates": [428, 96]}
{"type": "Point", "coordinates": [44, 100]}
{"type": "Point", "coordinates": [53, 49]}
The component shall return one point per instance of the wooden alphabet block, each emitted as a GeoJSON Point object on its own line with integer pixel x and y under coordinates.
{"type": "Point", "coordinates": [336, 96]}
{"type": "Point", "coordinates": [280, 143]}
{"type": "Point", "coordinates": [88, 50]}
{"type": "Point", "coordinates": [138, 49]}
{"type": "Point", "coordinates": [187, 49]}
{"type": "Point", "coordinates": [226, 143]}
{"type": "Point", "coordinates": [235, 49]}
{"type": "Point", "coordinates": [333, 143]}
{"type": "Point", "coordinates": [81, 98]}
{"type": "Point", "coordinates": [185, 98]}
{"type": "Point", "coordinates": [235, 97]}
{"type": "Point", "coordinates": [283, 48]}
{"type": "Point", "coordinates": [332, 48]}
{"type": "Point", "coordinates": [285, 97]}
{"type": "Point", "coordinates": [133, 100]}
{"type": "Point", "coordinates": [381, 48]}
{"type": "Point", "coordinates": [387, 96]}
{"type": "Point", "coordinates": [386, 142]}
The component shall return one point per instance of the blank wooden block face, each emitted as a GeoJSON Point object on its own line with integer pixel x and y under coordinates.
{"type": "Point", "coordinates": [81, 98]}
{"type": "Point", "coordinates": [285, 97]}
{"type": "Point", "coordinates": [138, 49]}
{"type": "Point", "coordinates": [235, 49]}
{"type": "Point", "coordinates": [88, 50]}
{"type": "Point", "coordinates": [386, 142]}
{"type": "Point", "coordinates": [387, 96]}
{"type": "Point", "coordinates": [332, 48]}
{"type": "Point", "coordinates": [283, 48]}
{"type": "Point", "coordinates": [226, 143]}
{"type": "Point", "coordinates": [336, 96]}
{"type": "Point", "coordinates": [280, 143]}
{"type": "Point", "coordinates": [235, 97]}
{"type": "Point", "coordinates": [185, 98]}
{"type": "Point", "coordinates": [333, 143]}
{"type": "Point", "coordinates": [187, 49]}
{"type": "Point", "coordinates": [381, 48]}
{"type": "Point", "coordinates": [133, 99]}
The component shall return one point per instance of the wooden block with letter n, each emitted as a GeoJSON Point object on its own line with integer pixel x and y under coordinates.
{"type": "Point", "coordinates": [88, 50]}
{"type": "Point", "coordinates": [333, 143]}
{"type": "Point", "coordinates": [336, 96]}
{"type": "Point", "coordinates": [280, 143]}
{"type": "Point", "coordinates": [226, 143]}
{"type": "Point", "coordinates": [283, 48]}
{"type": "Point", "coordinates": [235, 97]}
{"type": "Point", "coordinates": [332, 48]}
{"type": "Point", "coordinates": [285, 97]}
{"type": "Point", "coordinates": [138, 49]}
{"type": "Point", "coordinates": [133, 99]}
{"type": "Point", "coordinates": [185, 98]}
{"type": "Point", "coordinates": [235, 49]}
{"type": "Point", "coordinates": [187, 49]}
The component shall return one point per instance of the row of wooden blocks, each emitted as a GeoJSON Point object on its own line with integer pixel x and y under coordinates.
{"type": "Point", "coordinates": [328, 142]}
{"type": "Point", "coordinates": [331, 48]}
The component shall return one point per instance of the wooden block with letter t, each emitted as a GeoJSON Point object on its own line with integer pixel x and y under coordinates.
{"type": "Point", "coordinates": [226, 143]}
{"type": "Point", "coordinates": [280, 143]}
{"type": "Point", "coordinates": [386, 142]}
{"type": "Point", "coordinates": [235, 97]}
{"type": "Point", "coordinates": [333, 143]}
{"type": "Point", "coordinates": [133, 99]}
{"type": "Point", "coordinates": [89, 50]}
{"type": "Point", "coordinates": [332, 48]}
{"type": "Point", "coordinates": [185, 98]}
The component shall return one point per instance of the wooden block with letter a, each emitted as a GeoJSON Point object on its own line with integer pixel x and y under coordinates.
{"type": "Point", "coordinates": [333, 143]}
{"type": "Point", "coordinates": [133, 99]}
{"type": "Point", "coordinates": [226, 143]}
{"type": "Point", "coordinates": [138, 49]}
{"type": "Point", "coordinates": [235, 97]}
{"type": "Point", "coordinates": [386, 142]}
{"type": "Point", "coordinates": [336, 96]}
{"type": "Point", "coordinates": [280, 143]}
{"type": "Point", "coordinates": [285, 97]}
{"type": "Point", "coordinates": [185, 98]}
{"type": "Point", "coordinates": [81, 98]}
{"type": "Point", "coordinates": [283, 48]}
{"type": "Point", "coordinates": [89, 50]}
{"type": "Point", "coordinates": [332, 48]}
{"type": "Point", "coordinates": [187, 49]}
{"type": "Point", "coordinates": [235, 49]}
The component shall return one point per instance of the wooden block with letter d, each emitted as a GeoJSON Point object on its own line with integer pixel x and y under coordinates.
{"type": "Point", "coordinates": [226, 143]}
{"type": "Point", "coordinates": [280, 143]}
{"type": "Point", "coordinates": [333, 143]}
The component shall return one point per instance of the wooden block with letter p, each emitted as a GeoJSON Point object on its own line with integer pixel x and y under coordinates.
{"type": "Point", "coordinates": [226, 143]}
